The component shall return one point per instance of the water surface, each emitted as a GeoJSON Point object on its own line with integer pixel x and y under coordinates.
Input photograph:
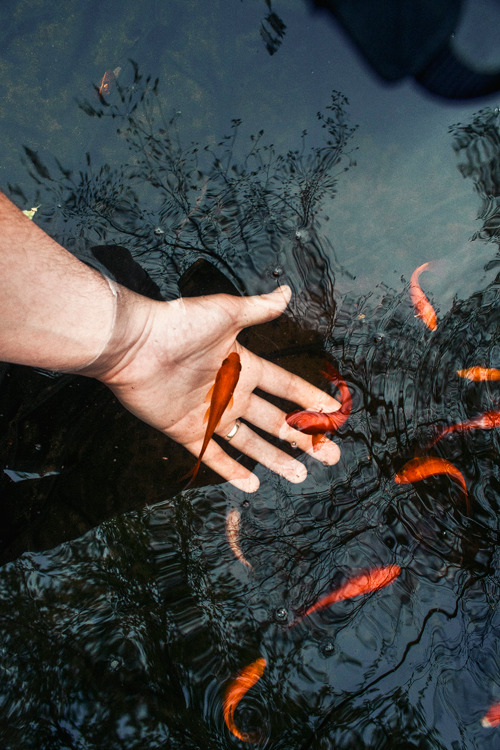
{"type": "Point", "coordinates": [125, 613]}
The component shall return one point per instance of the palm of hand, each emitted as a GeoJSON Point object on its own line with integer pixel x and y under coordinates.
{"type": "Point", "coordinates": [171, 368]}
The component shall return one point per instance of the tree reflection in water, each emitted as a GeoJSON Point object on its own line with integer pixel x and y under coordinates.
{"type": "Point", "coordinates": [254, 212]}
{"type": "Point", "coordinates": [242, 205]}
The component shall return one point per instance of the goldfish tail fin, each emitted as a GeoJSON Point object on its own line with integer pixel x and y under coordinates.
{"type": "Point", "coordinates": [437, 437]}
{"type": "Point", "coordinates": [190, 479]}
{"type": "Point", "coordinates": [317, 440]}
{"type": "Point", "coordinates": [188, 484]}
{"type": "Point", "coordinates": [191, 475]}
{"type": "Point", "coordinates": [330, 373]}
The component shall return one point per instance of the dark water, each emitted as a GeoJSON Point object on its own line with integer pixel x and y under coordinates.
{"type": "Point", "coordinates": [125, 614]}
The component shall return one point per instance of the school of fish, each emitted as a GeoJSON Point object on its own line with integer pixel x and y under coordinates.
{"type": "Point", "coordinates": [422, 467]}
{"type": "Point", "coordinates": [318, 425]}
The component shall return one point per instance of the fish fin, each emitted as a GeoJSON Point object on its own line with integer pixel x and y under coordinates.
{"type": "Point", "coordinates": [208, 397]}
{"type": "Point", "coordinates": [207, 413]}
{"type": "Point", "coordinates": [191, 474]}
{"type": "Point", "coordinates": [331, 373]}
{"type": "Point", "coordinates": [190, 477]}
{"type": "Point", "coordinates": [317, 440]}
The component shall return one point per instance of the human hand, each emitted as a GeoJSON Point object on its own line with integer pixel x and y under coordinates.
{"type": "Point", "coordinates": [163, 359]}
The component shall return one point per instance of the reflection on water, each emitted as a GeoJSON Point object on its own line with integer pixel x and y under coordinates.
{"type": "Point", "coordinates": [476, 145]}
{"type": "Point", "coordinates": [130, 635]}
{"type": "Point", "coordinates": [252, 211]}
{"type": "Point", "coordinates": [134, 630]}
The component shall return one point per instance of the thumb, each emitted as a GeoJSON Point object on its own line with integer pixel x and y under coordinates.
{"type": "Point", "coordinates": [263, 307]}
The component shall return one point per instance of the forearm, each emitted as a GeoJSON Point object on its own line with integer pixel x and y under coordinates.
{"type": "Point", "coordinates": [55, 312]}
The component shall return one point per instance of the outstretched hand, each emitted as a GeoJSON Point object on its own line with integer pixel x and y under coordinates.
{"type": "Point", "coordinates": [170, 355]}
{"type": "Point", "coordinates": [159, 358]}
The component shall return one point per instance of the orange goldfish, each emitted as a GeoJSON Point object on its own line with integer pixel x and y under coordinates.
{"type": "Point", "coordinates": [220, 396]}
{"type": "Point", "coordinates": [363, 584]}
{"type": "Point", "coordinates": [317, 423]}
{"type": "Point", "coordinates": [108, 81]}
{"type": "Point", "coordinates": [486, 421]}
{"type": "Point", "coordinates": [479, 373]}
{"type": "Point", "coordinates": [233, 533]}
{"type": "Point", "coordinates": [235, 692]}
{"type": "Point", "coordinates": [492, 716]}
{"type": "Point", "coordinates": [423, 307]}
{"type": "Point", "coordinates": [426, 466]}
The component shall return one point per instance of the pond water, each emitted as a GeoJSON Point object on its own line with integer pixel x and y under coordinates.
{"type": "Point", "coordinates": [126, 616]}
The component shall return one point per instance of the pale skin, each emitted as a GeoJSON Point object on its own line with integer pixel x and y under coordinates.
{"type": "Point", "coordinates": [159, 358]}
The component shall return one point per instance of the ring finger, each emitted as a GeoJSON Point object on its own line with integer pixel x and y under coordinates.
{"type": "Point", "coordinates": [272, 420]}
{"type": "Point", "coordinates": [247, 441]}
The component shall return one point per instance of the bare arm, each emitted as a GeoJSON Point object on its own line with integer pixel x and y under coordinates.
{"type": "Point", "coordinates": [159, 358]}
{"type": "Point", "coordinates": [55, 312]}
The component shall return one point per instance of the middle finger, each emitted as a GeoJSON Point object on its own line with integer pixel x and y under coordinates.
{"type": "Point", "coordinates": [269, 418]}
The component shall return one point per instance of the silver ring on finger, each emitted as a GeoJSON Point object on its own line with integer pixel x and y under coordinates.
{"type": "Point", "coordinates": [230, 435]}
